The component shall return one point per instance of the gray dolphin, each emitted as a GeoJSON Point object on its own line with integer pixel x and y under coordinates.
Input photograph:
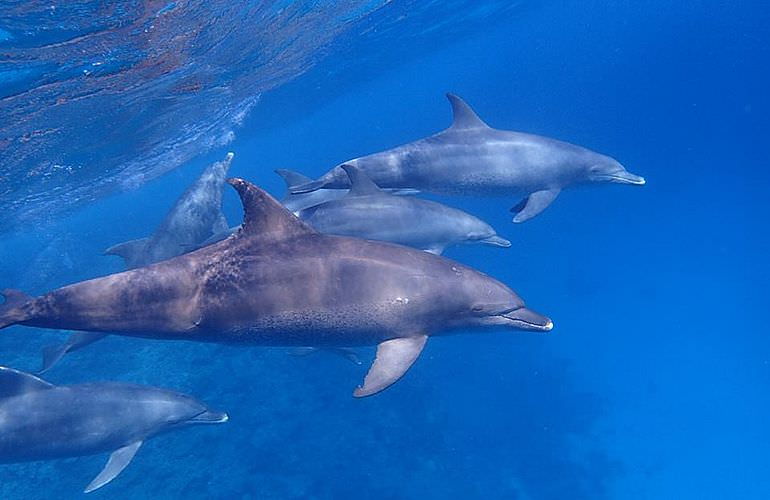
{"type": "Point", "coordinates": [279, 282]}
{"type": "Point", "coordinates": [471, 158]}
{"type": "Point", "coordinates": [41, 421]}
{"type": "Point", "coordinates": [300, 201]}
{"type": "Point", "coordinates": [195, 216]}
{"type": "Point", "coordinates": [368, 212]}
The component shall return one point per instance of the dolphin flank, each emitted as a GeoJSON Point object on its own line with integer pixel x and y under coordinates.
{"type": "Point", "coordinates": [279, 282]}
{"type": "Point", "coordinates": [472, 158]}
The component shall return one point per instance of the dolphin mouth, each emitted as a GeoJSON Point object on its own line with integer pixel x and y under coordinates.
{"type": "Point", "coordinates": [496, 241]}
{"type": "Point", "coordinates": [527, 319]}
{"type": "Point", "coordinates": [210, 417]}
{"type": "Point", "coordinates": [623, 178]}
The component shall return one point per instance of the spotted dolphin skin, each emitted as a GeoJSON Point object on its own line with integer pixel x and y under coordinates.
{"type": "Point", "coordinates": [368, 212]}
{"type": "Point", "coordinates": [472, 158]}
{"type": "Point", "coordinates": [279, 282]}
{"type": "Point", "coordinates": [41, 421]}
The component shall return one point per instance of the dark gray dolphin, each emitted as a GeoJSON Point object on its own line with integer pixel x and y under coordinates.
{"type": "Point", "coordinates": [41, 421]}
{"type": "Point", "coordinates": [471, 158]}
{"type": "Point", "coordinates": [368, 212]}
{"type": "Point", "coordinates": [301, 201]}
{"type": "Point", "coordinates": [279, 282]}
{"type": "Point", "coordinates": [196, 216]}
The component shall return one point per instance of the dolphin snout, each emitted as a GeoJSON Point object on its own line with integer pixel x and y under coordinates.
{"type": "Point", "coordinates": [210, 417]}
{"type": "Point", "coordinates": [496, 241]}
{"type": "Point", "coordinates": [627, 178]}
{"type": "Point", "coordinates": [527, 319]}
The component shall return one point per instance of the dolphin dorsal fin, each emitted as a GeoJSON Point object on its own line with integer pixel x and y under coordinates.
{"type": "Point", "coordinates": [360, 183]}
{"type": "Point", "coordinates": [292, 178]}
{"type": "Point", "coordinates": [14, 383]}
{"type": "Point", "coordinates": [463, 117]}
{"type": "Point", "coordinates": [264, 217]}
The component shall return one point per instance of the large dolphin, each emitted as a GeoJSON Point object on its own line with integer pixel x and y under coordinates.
{"type": "Point", "coordinates": [279, 282]}
{"type": "Point", "coordinates": [368, 212]}
{"type": "Point", "coordinates": [472, 158]}
{"type": "Point", "coordinates": [41, 421]}
{"type": "Point", "coordinates": [196, 216]}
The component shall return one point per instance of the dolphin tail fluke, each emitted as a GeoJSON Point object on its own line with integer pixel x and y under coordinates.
{"type": "Point", "coordinates": [10, 312]}
{"type": "Point", "coordinates": [308, 187]}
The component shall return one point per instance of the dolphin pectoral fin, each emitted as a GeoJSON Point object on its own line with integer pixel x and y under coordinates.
{"type": "Point", "coordinates": [435, 250]}
{"type": "Point", "coordinates": [118, 461]}
{"type": "Point", "coordinates": [534, 204]}
{"type": "Point", "coordinates": [53, 353]}
{"type": "Point", "coordinates": [394, 357]}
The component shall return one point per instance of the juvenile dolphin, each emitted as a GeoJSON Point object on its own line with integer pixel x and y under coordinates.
{"type": "Point", "coordinates": [368, 212]}
{"type": "Point", "coordinates": [301, 201]}
{"type": "Point", "coordinates": [196, 216]}
{"type": "Point", "coordinates": [471, 158]}
{"type": "Point", "coordinates": [279, 282]}
{"type": "Point", "coordinates": [41, 421]}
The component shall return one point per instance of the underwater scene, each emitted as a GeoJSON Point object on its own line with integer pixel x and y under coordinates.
{"type": "Point", "coordinates": [388, 249]}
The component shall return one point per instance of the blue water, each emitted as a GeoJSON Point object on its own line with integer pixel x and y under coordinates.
{"type": "Point", "coordinates": [654, 381]}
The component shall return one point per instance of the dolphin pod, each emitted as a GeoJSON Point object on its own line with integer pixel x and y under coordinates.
{"type": "Point", "coordinates": [472, 158]}
{"type": "Point", "coordinates": [279, 282]}
{"type": "Point", "coordinates": [40, 421]}
{"type": "Point", "coordinates": [322, 269]}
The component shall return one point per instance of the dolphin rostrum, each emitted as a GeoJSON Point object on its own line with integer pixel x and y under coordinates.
{"type": "Point", "coordinates": [196, 216]}
{"type": "Point", "coordinates": [41, 421]}
{"type": "Point", "coordinates": [368, 212]}
{"type": "Point", "coordinates": [279, 282]}
{"type": "Point", "coordinates": [472, 158]}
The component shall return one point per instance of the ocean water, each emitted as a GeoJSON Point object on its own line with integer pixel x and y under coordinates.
{"type": "Point", "coordinates": [653, 383]}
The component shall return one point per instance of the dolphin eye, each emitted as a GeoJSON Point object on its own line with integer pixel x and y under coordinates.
{"type": "Point", "coordinates": [477, 308]}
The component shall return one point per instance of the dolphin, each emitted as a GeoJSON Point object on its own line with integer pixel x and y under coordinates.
{"type": "Point", "coordinates": [279, 282]}
{"type": "Point", "coordinates": [196, 216]}
{"type": "Point", "coordinates": [368, 212]}
{"type": "Point", "coordinates": [472, 158]}
{"type": "Point", "coordinates": [297, 202]}
{"type": "Point", "coordinates": [41, 421]}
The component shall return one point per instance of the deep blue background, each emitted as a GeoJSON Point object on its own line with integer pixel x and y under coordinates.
{"type": "Point", "coordinates": [654, 382]}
